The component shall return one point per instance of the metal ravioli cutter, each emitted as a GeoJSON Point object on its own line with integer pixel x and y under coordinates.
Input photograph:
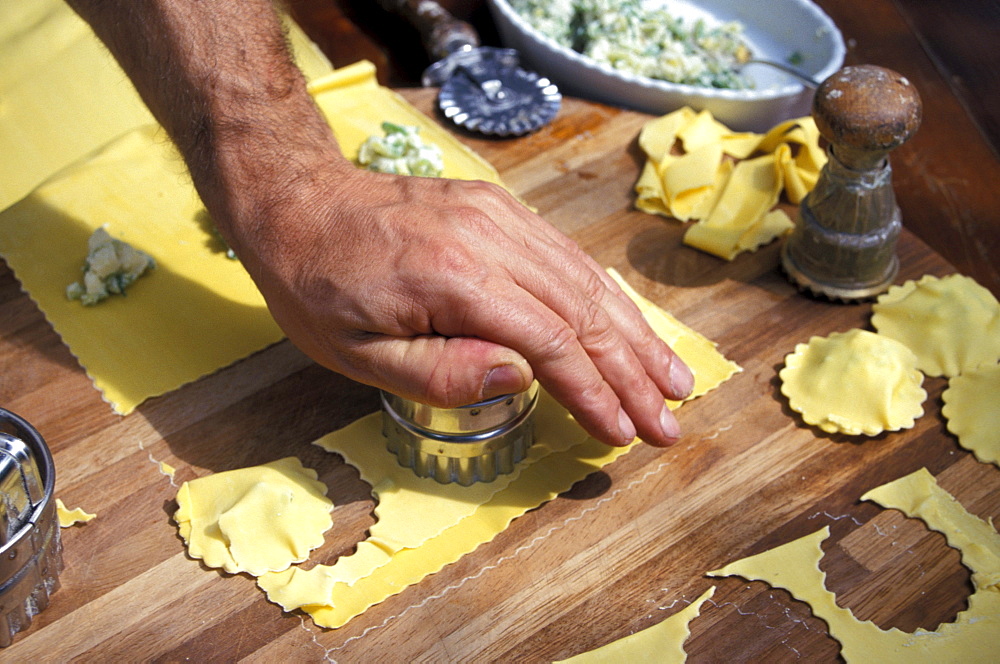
{"type": "Point", "coordinates": [465, 445]}
{"type": "Point", "coordinates": [483, 88]}
{"type": "Point", "coordinates": [30, 549]}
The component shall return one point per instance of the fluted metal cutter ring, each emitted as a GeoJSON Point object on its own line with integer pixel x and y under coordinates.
{"type": "Point", "coordinates": [464, 445]}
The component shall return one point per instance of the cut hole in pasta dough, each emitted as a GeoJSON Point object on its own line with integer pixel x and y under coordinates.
{"type": "Point", "coordinates": [354, 513]}
{"type": "Point", "coordinates": [665, 639]}
{"type": "Point", "coordinates": [773, 626]}
{"type": "Point", "coordinates": [972, 637]}
{"type": "Point", "coordinates": [868, 564]}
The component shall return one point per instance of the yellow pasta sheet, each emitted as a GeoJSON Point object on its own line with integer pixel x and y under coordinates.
{"type": "Point", "coordinates": [62, 95]}
{"type": "Point", "coordinates": [423, 526]}
{"type": "Point", "coordinates": [198, 311]}
{"type": "Point", "coordinates": [974, 634]}
{"type": "Point", "coordinates": [195, 312]}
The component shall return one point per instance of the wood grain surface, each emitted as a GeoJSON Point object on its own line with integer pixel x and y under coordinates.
{"type": "Point", "coordinates": [624, 549]}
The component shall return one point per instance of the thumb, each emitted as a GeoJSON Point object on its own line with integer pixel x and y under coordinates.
{"type": "Point", "coordinates": [444, 371]}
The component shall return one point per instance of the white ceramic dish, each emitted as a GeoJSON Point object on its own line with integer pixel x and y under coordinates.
{"type": "Point", "coordinates": [774, 29]}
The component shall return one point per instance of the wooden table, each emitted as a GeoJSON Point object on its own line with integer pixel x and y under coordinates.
{"type": "Point", "coordinates": [622, 550]}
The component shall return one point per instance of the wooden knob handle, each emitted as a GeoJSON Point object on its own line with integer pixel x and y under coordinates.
{"type": "Point", "coordinates": [440, 31]}
{"type": "Point", "coordinates": [865, 112]}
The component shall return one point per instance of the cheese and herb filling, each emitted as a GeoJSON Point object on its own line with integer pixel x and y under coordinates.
{"type": "Point", "coordinates": [110, 268]}
{"type": "Point", "coordinates": [631, 36]}
{"type": "Point", "coordinates": [401, 152]}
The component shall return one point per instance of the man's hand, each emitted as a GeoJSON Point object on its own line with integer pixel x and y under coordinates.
{"type": "Point", "coordinates": [450, 292]}
{"type": "Point", "coordinates": [437, 290]}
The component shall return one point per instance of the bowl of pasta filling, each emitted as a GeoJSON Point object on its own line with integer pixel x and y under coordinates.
{"type": "Point", "coordinates": [730, 57]}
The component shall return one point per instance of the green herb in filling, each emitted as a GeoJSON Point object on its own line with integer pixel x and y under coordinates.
{"type": "Point", "coordinates": [401, 151]}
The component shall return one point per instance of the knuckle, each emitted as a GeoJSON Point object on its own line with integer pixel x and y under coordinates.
{"type": "Point", "coordinates": [483, 190]}
{"type": "Point", "coordinates": [595, 390]}
{"type": "Point", "coordinates": [560, 344]}
{"type": "Point", "coordinates": [443, 260]}
{"type": "Point", "coordinates": [455, 258]}
{"type": "Point", "coordinates": [441, 391]}
{"type": "Point", "coordinates": [597, 330]}
{"type": "Point", "coordinates": [475, 222]}
{"type": "Point", "coordinates": [593, 287]}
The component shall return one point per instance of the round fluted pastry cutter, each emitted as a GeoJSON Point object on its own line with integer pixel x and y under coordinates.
{"type": "Point", "coordinates": [30, 548]}
{"type": "Point", "coordinates": [464, 445]}
{"type": "Point", "coordinates": [483, 88]}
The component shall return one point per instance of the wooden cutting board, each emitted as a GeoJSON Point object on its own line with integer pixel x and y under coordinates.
{"type": "Point", "coordinates": [621, 551]}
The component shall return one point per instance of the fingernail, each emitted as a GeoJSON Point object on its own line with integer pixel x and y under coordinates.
{"type": "Point", "coordinates": [626, 427]}
{"type": "Point", "coordinates": [668, 423]}
{"type": "Point", "coordinates": [505, 379]}
{"type": "Point", "coordinates": [681, 378]}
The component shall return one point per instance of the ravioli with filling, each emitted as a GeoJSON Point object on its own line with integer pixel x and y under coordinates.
{"type": "Point", "coordinates": [854, 382]}
{"type": "Point", "coordinates": [972, 409]}
{"type": "Point", "coordinates": [256, 520]}
{"type": "Point", "coordinates": [951, 323]}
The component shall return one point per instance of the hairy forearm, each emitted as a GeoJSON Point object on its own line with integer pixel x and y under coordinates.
{"type": "Point", "coordinates": [218, 76]}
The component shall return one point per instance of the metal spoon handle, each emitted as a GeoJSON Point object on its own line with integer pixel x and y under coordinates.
{"type": "Point", "coordinates": [806, 79]}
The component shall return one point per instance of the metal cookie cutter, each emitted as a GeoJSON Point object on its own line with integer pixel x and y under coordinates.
{"type": "Point", "coordinates": [464, 445]}
{"type": "Point", "coordinates": [30, 549]}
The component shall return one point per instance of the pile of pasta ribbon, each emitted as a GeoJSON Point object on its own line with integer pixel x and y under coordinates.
{"type": "Point", "coordinates": [728, 183]}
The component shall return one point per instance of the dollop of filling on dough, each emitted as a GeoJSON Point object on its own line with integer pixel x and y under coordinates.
{"type": "Point", "coordinates": [402, 152]}
{"type": "Point", "coordinates": [110, 268]}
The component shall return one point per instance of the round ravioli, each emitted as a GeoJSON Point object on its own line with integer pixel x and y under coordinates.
{"type": "Point", "coordinates": [952, 323]}
{"type": "Point", "coordinates": [971, 408]}
{"type": "Point", "coordinates": [855, 382]}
